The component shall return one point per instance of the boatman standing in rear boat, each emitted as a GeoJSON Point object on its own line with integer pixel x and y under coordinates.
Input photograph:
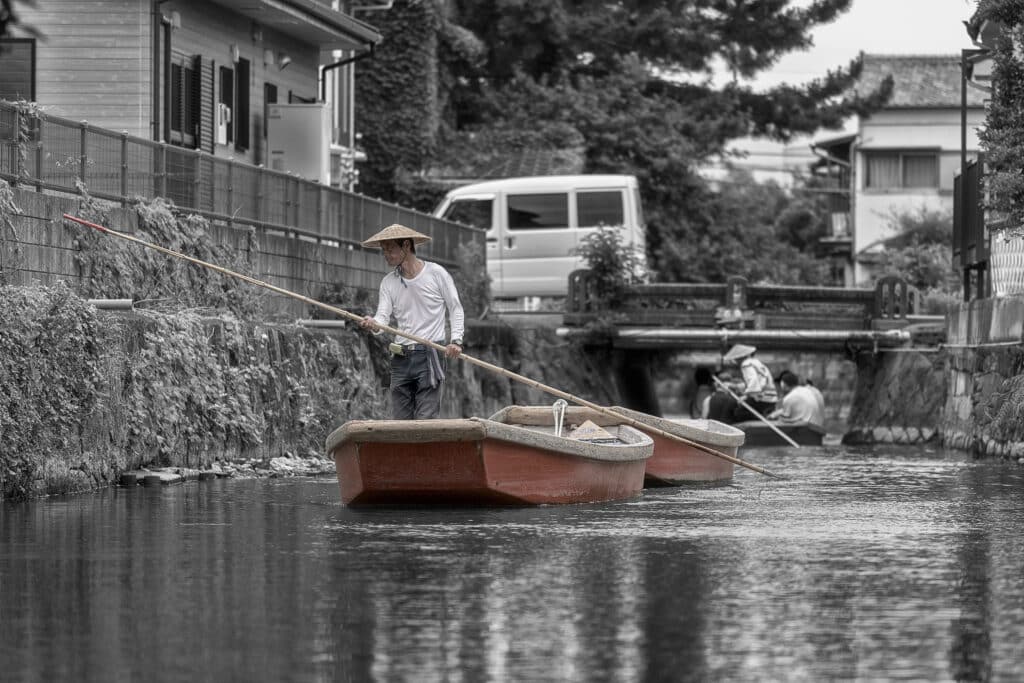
{"type": "Point", "coordinates": [418, 294]}
{"type": "Point", "coordinates": [759, 390]}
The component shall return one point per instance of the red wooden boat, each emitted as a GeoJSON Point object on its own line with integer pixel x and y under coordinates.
{"type": "Point", "coordinates": [478, 461]}
{"type": "Point", "coordinates": [673, 462]}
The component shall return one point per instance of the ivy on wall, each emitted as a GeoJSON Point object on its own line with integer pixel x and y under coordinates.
{"type": "Point", "coordinates": [396, 97]}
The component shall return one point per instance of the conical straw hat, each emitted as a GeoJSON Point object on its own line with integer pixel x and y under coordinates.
{"type": "Point", "coordinates": [738, 351]}
{"type": "Point", "coordinates": [395, 232]}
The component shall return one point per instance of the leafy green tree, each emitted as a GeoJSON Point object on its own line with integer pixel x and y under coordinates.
{"type": "Point", "coordinates": [633, 85]}
{"type": "Point", "coordinates": [9, 17]}
{"type": "Point", "coordinates": [1002, 137]}
{"type": "Point", "coordinates": [635, 79]}
{"type": "Point", "coordinates": [919, 252]}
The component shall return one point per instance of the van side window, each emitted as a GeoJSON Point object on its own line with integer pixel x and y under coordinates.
{"type": "Point", "coordinates": [531, 211]}
{"type": "Point", "coordinates": [599, 208]}
{"type": "Point", "coordinates": [474, 212]}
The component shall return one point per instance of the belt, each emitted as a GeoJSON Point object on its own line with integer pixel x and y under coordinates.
{"type": "Point", "coordinates": [409, 348]}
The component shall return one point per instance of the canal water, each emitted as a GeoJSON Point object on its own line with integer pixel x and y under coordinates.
{"type": "Point", "coordinates": [866, 565]}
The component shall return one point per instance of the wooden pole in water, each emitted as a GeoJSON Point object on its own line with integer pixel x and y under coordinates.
{"type": "Point", "coordinates": [427, 342]}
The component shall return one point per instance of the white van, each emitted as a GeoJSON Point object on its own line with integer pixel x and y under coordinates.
{"type": "Point", "coordinates": [534, 225]}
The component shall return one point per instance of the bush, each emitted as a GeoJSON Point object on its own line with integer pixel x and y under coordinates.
{"type": "Point", "coordinates": [613, 265]}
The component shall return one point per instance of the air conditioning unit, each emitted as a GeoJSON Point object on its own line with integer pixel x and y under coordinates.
{"type": "Point", "coordinates": [223, 121]}
{"type": "Point", "coordinates": [299, 140]}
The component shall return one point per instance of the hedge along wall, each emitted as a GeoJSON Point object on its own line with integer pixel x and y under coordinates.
{"type": "Point", "coordinates": [397, 97]}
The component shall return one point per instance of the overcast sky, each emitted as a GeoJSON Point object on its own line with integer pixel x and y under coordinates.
{"type": "Point", "coordinates": [918, 27]}
{"type": "Point", "coordinates": [927, 27]}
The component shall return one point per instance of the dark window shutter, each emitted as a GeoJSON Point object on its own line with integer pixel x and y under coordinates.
{"type": "Point", "coordinates": [196, 101]}
{"type": "Point", "coordinates": [242, 141]}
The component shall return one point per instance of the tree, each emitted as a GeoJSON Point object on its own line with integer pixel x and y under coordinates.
{"type": "Point", "coordinates": [919, 251]}
{"type": "Point", "coordinates": [1002, 137]}
{"type": "Point", "coordinates": [632, 82]}
{"type": "Point", "coordinates": [9, 18]}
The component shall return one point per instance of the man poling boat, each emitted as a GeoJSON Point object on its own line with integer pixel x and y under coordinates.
{"type": "Point", "coordinates": [427, 342]}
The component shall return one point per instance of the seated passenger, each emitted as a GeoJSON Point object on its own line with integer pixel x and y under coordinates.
{"type": "Point", "coordinates": [800, 404]}
{"type": "Point", "coordinates": [721, 405]}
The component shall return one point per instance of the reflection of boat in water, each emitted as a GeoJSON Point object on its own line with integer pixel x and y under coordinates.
{"type": "Point", "coordinates": [673, 462]}
{"type": "Point", "coordinates": [478, 461]}
{"type": "Point", "coordinates": [760, 434]}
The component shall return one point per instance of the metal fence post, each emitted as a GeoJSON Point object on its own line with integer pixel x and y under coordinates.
{"type": "Point", "coordinates": [83, 144]}
{"type": "Point", "coordinates": [163, 169]}
{"type": "Point", "coordinates": [320, 199]}
{"type": "Point", "coordinates": [197, 180]}
{"type": "Point", "coordinates": [124, 168]}
{"type": "Point", "coordinates": [231, 190]}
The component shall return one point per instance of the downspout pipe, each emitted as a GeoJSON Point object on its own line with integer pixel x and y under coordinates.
{"type": "Point", "coordinates": [343, 62]}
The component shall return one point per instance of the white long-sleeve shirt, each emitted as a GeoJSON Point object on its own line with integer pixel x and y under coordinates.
{"type": "Point", "coordinates": [418, 304]}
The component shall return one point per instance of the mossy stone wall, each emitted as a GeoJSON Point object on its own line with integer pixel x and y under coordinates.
{"type": "Point", "coordinates": [88, 394]}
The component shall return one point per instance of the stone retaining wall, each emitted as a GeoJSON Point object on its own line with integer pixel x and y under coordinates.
{"type": "Point", "coordinates": [179, 390]}
{"type": "Point", "coordinates": [899, 397]}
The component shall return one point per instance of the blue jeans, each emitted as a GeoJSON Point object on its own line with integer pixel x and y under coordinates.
{"type": "Point", "coordinates": [412, 397]}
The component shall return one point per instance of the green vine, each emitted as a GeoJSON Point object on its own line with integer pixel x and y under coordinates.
{"type": "Point", "coordinates": [396, 97]}
{"type": "Point", "coordinates": [10, 243]}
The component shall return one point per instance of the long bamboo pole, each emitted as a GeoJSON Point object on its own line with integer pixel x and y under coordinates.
{"type": "Point", "coordinates": [758, 415]}
{"type": "Point", "coordinates": [428, 342]}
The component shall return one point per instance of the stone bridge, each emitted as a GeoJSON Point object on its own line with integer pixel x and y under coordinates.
{"type": "Point", "coordinates": [659, 333]}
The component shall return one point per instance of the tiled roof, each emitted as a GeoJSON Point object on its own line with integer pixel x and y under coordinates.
{"type": "Point", "coordinates": [514, 163]}
{"type": "Point", "coordinates": [918, 80]}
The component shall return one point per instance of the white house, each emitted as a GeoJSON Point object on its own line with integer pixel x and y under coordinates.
{"type": "Point", "coordinates": [198, 74]}
{"type": "Point", "coordinates": [898, 160]}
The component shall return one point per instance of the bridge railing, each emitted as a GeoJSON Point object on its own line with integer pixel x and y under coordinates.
{"type": "Point", "coordinates": [736, 303]}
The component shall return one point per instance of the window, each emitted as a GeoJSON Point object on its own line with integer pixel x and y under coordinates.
{"type": "Point", "coordinates": [184, 101]}
{"type": "Point", "coordinates": [901, 170]}
{"type": "Point", "coordinates": [599, 208]}
{"type": "Point", "coordinates": [269, 98]}
{"type": "Point", "coordinates": [18, 75]}
{"type": "Point", "coordinates": [533, 211]}
{"type": "Point", "coordinates": [474, 212]}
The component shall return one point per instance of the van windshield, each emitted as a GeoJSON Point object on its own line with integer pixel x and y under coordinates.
{"type": "Point", "coordinates": [473, 212]}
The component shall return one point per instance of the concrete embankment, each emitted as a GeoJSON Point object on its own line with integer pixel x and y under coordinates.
{"type": "Point", "coordinates": [86, 395]}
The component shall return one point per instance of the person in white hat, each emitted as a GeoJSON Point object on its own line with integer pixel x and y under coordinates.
{"type": "Point", "coordinates": [417, 294]}
{"type": "Point", "coordinates": [759, 390]}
